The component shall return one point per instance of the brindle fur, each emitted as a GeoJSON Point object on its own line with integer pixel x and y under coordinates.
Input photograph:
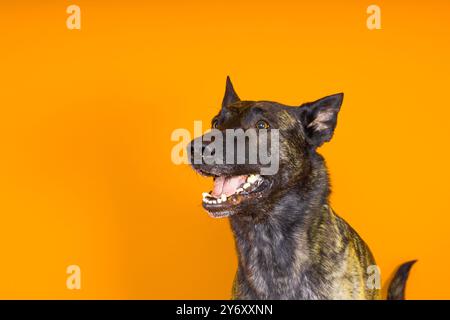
{"type": "Point", "coordinates": [290, 244]}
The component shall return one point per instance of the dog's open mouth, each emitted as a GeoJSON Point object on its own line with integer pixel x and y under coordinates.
{"type": "Point", "coordinates": [229, 192]}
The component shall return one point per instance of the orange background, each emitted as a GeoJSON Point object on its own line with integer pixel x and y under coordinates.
{"type": "Point", "coordinates": [86, 176]}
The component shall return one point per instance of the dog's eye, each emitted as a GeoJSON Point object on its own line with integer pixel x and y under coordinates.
{"type": "Point", "coordinates": [214, 124]}
{"type": "Point", "coordinates": [261, 124]}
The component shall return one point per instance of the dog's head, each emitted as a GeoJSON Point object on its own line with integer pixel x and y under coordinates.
{"type": "Point", "coordinates": [257, 150]}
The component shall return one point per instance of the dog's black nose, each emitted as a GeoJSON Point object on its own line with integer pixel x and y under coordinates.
{"type": "Point", "coordinates": [198, 148]}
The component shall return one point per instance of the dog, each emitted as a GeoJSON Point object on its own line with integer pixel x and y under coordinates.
{"type": "Point", "coordinates": [290, 243]}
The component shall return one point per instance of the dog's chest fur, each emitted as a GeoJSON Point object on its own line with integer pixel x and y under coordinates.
{"type": "Point", "coordinates": [317, 258]}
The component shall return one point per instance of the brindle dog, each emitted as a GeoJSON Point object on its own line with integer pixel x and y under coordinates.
{"type": "Point", "coordinates": [290, 243]}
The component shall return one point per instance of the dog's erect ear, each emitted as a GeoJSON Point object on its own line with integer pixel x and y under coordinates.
{"type": "Point", "coordinates": [230, 95]}
{"type": "Point", "coordinates": [319, 118]}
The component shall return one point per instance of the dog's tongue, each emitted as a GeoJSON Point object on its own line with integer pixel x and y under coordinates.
{"type": "Point", "coordinates": [227, 185]}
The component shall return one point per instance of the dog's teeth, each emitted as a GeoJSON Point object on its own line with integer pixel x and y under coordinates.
{"type": "Point", "coordinates": [239, 190]}
{"type": "Point", "coordinates": [208, 201]}
{"type": "Point", "coordinates": [246, 185]}
{"type": "Point", "coordinates": [219, 201]}
{"type": "Point", "coordinates": [223, 197]}
{"type": "Point", "coordinates": [252, 178]}
{"type": "Point", "coordinates": [205, 195]}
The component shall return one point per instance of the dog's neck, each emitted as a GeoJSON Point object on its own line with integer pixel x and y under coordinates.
{"type": "Point", "coordinates": [269, 248]}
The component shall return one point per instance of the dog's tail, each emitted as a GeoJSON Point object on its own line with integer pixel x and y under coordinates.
{"type": "Point", "coordinates": [397, 286]}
